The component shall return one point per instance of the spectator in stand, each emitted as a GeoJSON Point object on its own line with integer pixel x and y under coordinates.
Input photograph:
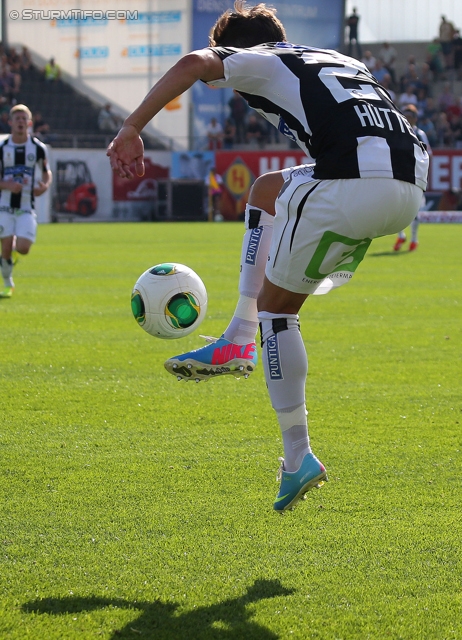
{"type": "Point", "coordinates": [430, 110]}
{"type": "Point", "coordinates": [14, 60]}
{"type": "Point", "coordinates": [10, 84]}
{"type": "Point", "coordinates": [408, 97]}
{"type": "Point", "coordinates": [428, 128]}
{"type": "Point", "coordinates": [238, 111]}
{"type": "Point", "coordinates": [443, 130]}
{"type": "Point", "coordinates": [447, 32]}
{"type": "Point", "coordinates": [41, 129]}
{"type": "Point", "coordinates": [379, 71]}
{"type": "Point", "coordinates": [4, 101]}
{"type": "Point", "coordinates": [457, 49]}
{"type": "Point", "coordinates": [107, 120]}
{"type": "Point", "coordinates": [414, 77]}
{"type": "Point", "coordinates": [388, 55]}
{"type": "Point", "coordinates": [421, 102]}
{"type": "Point", "coordinates": [255, 132]}
{"type": "Point", "coordinates": [447, 97]}
{"type": "Point", "coordinates": [229, 134]}
{"type": "Point", "coordinates": [4, 122]}
{"type": "Point", "coordinates": [52, 71]}
{"type": "Point", "coordinates": [369, 60]}
{"type": "Point", "coordinates": [25, 59]}
{"type": "Point", "coordinates": [435, 59]}
{"type": "Point", "coordinates": [455, 125]}
{"type": "Point", "coordinates": [214, 183]}
{"type": "Point", "coordinates": [386, 84]}
{"type": "Point", "coordinates": [456, 108]}
{"type": "Point", "coordinates": [214, 135]}
{"type": "Point", "coordinates": [410, 75]}
{"type": "Point", "coordinates": [426, 78]}
{"type": "Point", "coordinates": [3, 61]}
{"type": "Point", "coordinates": [353, 38]}
{"type": "Point", "coordinates": [272, 134]}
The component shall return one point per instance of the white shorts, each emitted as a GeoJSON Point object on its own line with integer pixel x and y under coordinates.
{"type": "Point", "coordinates": [22, 224]}
{"type": "Point", "coordinates": [323, 228]}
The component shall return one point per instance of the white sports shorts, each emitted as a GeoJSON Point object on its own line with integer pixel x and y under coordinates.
{"type": "Point", "coordinates": [15, 222]}
{"type": "Point", "coordinates": [323, 228]}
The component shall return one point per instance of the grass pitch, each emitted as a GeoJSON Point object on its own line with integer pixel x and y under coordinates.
{"type": "Point", "coordinates": [137, 506]}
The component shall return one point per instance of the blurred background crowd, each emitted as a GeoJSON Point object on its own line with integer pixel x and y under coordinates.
{"type": "Point", "coordinates": [430, 79]}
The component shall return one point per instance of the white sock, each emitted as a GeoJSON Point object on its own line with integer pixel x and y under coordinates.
{"type": "Point", "coordinates": [414, 229]}
{"type": "Point", "coordinates": [286, 366]}
{"type": "Point", "coordinates": [243, 326]}
{"type": "Point", "coordinates": [402, 235]}
{"type": "Point", "coordinates": [7, 272]}
{"type": "Point", "coordinates": [296, 445]}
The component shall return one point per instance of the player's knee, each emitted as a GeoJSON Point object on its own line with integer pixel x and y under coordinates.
{"type": "Point", "coordinates": [265, 190]}
{"type": "Point", "coordinates": [23, 247]}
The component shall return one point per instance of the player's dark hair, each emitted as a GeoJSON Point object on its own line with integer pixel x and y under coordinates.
{"type": "Point", "coordinates": [247, 26]}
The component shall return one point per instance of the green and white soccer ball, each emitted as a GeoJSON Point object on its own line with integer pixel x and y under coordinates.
{"type": "Point", "coordinates": [169, 301]}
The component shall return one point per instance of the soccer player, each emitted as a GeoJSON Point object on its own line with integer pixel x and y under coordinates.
{"type": "Point", "coordinates": [19, 155]}
{"type": "Point", "coordinates": [369, 174]}
{"type": "Point", "coordinates": [410, 111]}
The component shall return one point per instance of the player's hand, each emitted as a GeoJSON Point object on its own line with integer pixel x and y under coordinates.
{"type": "Point", "coordinates": [41, 188]}
{"type": "Point", "coordinates": [126, 148]}
{"type": "Point", "coordinates": [14, 187]}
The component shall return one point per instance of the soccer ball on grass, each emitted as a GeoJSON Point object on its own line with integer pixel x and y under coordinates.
{"type": "Point", "coordinates": [169, 301]}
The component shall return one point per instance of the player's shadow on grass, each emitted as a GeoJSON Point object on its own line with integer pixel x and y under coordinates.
{"type": "Point", "coordinates": [378, 254]}
{"type": "Point", "coordinates": [230, 619]}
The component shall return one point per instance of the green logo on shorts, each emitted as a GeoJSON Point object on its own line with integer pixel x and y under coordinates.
{"type": "Point", "coordinates": [348, 260]}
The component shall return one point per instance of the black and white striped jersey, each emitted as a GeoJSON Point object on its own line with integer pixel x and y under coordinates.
{"type": "Point", "coordinates": [18, 163]}
{"type": "Point", "coordinates": [331, 106]}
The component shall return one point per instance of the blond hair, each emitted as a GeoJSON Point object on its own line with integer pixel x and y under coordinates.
{"type": "Point", "coordinates": [23, 108]}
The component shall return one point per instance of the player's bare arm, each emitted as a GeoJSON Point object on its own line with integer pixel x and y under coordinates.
{"type": "Point", "coordinates": [127, 147]}
{"type": "Point", "coordinates": [44, 183]}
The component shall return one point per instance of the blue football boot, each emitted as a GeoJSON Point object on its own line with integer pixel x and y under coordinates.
{"type": "Point", "coordinates": [294, 485]}
{"type": "Point", "coordinates": [218, 358]}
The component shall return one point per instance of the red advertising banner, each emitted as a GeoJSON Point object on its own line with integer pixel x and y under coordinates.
{"type": "Point", "coordinates": [137, 188]}
{"type": "Point", "coordinates": [239, 169]}
{"type": "Point", "coordinates": [445, 170]}
{"type": "Point", "coordinates": [139, 198]}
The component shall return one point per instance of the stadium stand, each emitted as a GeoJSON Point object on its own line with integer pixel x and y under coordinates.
{"type": "Point", "coordinates": [72, 116]}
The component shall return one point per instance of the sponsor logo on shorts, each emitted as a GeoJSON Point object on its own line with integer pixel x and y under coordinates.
{"type": "Point", "coordinates": [339, 275]}
{"type": "Point", "coordinates": [336, 253]}
{"type": "Point", "coordinates": [306, 170]}
{"type": "Point", "coordinates": [252, 247]}
{"type": "Point", "coordinates": [274, 361]}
